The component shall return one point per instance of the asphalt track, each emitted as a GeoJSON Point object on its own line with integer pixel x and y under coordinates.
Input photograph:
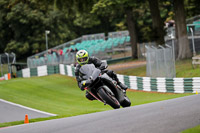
{"type": "Point", "coordinates": [170, 116]}
{"type": "Point", "coordinates": [14, 112]}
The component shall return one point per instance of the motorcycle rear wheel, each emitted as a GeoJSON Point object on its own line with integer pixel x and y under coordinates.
{"type": "Point", "coordinates": [109, 99]}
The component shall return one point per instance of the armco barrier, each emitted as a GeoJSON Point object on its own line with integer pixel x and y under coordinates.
{"type": "Point", "coordinates": [174, 85]}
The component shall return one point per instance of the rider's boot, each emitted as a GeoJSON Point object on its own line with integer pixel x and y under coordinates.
{"type": "Point", "coordinates": [123, 86]}
{"type": "Point", "coordinates": [114, 76]}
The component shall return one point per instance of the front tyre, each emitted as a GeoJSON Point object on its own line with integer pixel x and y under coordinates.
{"type": "Point", "coordinates": [126, 102]}
{"type": "Point", "coordinates": [109, 98]}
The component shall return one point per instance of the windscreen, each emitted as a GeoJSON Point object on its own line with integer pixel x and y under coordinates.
{"type": "Point", "coordinates": [89, 70]}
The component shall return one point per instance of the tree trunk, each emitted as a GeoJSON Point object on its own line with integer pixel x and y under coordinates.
{"type": "Point", "coordinates": [158, 24]}
{"type": "Point", "coordinates": [183, 42]}
{"type": "Point", "coordinates": [54, 5]}
{"type": "Point", "coordinates": [132, 32]}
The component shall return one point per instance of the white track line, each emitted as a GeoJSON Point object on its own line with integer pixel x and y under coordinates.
{"type": "Point", "coordinates": [18, 105]}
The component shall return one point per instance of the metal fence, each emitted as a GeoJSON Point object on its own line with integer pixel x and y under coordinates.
{"type": "Point", "coordinates": [5, 60]}
{"type": "Point", "coordinates": [160, 61]}
{"type": "Point", "coordinates": [96, 44]}
{"type": "Point", "coordinates": [53, 56]}
{"type": "Point", "coordinates": [51, 59]}
{"type": "Point", "coordinates": [118, 34]}
{"type": "Point", "coordinates": [93, 36]}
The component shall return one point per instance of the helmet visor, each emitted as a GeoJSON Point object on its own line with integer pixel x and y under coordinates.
{"type": "Point", "coordinates": [83, 59]}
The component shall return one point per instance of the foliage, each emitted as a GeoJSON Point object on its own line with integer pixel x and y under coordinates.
{"type": "Point", "coordinates": [23, 22]}
{"type": "Point", "coordinates": [192, 8]}
{"type": "Point", "coordinates": [26, 24]}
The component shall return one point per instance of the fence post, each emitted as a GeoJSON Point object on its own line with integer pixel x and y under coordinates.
{"type": "Point", "coordinates": [148, 66]}
{"type": "Point", "coordinates": [194, 52]}
{"type": "Point", "coordinates": [157, 72]}
{"type": "Point", "coordinates": [164, 53]}
{"type": "Point", "coordinates": [138, 50]}
{"type": "Point", "coordinates": [8, 62]}
{"type": "Point", "coordinates": [174, 56]}
{"type": "Point", "coordinates": [144, 51]}
{"type": "Point", "coordinates": [1, 66]}
{"type": "Point", "coordinates": [173, 61]}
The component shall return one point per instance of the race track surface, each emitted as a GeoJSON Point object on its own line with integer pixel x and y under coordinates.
{"type": "Point", "coordinates": [170, 116]}
{"type": "Point", "coordinates": [13, 112]}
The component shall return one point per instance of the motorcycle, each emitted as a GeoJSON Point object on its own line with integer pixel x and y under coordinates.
{"type": "Point", "coordinates": [102, 87]}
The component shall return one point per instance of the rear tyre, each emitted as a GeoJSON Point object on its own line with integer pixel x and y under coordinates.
{"type": "Point", "coordinates": [108, 98]}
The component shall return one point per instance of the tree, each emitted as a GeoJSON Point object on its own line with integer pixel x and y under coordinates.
{"type": "Point", "coordinates": [117, 7]}
{"type": "Point", "coordinates": [158, 24]}
{"type": "Point", "coordinates": [132, 30]}
{"type": "Point", "coordinates": [192, 8]}
{"type": "Point", "coordinates": [23, 27]}
{"type": "Point", "coordinates": [181, 30]}
{"type": "Point", "coordinates": [5, 35]}
{"type": "Point", "coordinates": [79, 18]}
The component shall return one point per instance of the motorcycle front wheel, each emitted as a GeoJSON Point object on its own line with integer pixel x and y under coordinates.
{"type": "Point", "coordinates": [108, 98]}
{"type": "Point", "coordinates": [126, 102]}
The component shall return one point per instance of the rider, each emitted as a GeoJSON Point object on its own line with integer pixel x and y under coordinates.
{"type": "Point", "coordinates": [82, 57]}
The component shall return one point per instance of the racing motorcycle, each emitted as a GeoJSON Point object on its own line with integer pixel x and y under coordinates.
{"type": "Point", "coordinates": [102, 87]}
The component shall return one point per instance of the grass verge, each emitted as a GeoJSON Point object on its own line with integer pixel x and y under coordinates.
{"type": "Point", "coordinates": [183, 69]}
{"type": "Point", "coordinates": [60, 95]}
{"type": "Point", "coordinates": [192, 130]}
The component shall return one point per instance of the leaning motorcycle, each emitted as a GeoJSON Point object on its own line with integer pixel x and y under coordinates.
{"type": "Point", "coordinates": [102, 87]}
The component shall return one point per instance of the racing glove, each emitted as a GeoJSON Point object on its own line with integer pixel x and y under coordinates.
{"type": "Point", "coordinates": [81, 86]}
{"type": "Point", "coordinates": [85, 83]}
{"type": "Point", "coordinates": [103, 66]}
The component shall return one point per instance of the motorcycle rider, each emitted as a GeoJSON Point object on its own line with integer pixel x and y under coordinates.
{"type": "Point", "coordinates": [82, 57]}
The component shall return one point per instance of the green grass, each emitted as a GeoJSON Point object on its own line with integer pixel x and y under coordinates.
{"type": "Point", "coordinates": [55, 94]}
{"type": "Point", "coordinates": [60, 95]}
{"type": "Point", "coordinates": [183, 69]}
{"type": "Point", "coordinates": [193, 130]}
{"type": "Point", "coordinates": [139, 71]}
